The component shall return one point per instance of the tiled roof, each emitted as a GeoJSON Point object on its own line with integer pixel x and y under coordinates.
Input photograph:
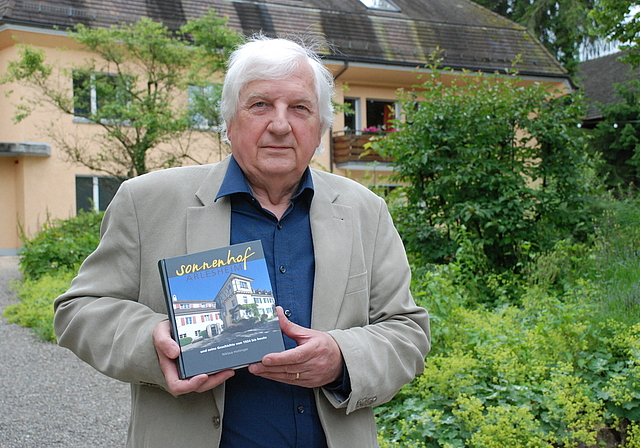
{"type": "Point", "coordinates": [597, 78]}
{"type": "Point", "coordinates": [470, 36]}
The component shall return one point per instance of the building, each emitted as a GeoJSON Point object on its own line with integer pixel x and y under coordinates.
{"type": "Point", "coordinates": [597, 78]}
{"type": "Point", "coordinates": [237, 301]}
{"type": "Point", "coordinates": [375, 47]}
{"type": "Point", "coordinates": [195, 316]}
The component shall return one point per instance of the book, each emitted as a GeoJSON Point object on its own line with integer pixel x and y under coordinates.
{"type": "Point", "coordinates": [221, 308]}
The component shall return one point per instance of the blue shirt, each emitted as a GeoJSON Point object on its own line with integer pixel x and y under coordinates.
{"type": "Point", "coordinates": [260, 412]}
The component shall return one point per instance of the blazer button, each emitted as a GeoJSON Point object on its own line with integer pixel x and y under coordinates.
{"type": "Point", "coordinates": [216, 421]}
{"type": "Point", "coordinates": [287, 313]}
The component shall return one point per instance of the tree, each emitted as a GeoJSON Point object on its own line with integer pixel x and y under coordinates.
{"type": "Point", "coordinates": [135, 89]}
{"type": "Point", "coordinates": [619, 20]}
{"type": "Point", "coordinates": [616, 139]}
{"type": "Point", "coordinates": [491, 158]}
{"type": "Point", "coordinates": [561, 25]}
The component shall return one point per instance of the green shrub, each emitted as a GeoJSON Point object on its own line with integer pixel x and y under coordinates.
{"type": "Point", "coordinates": [35, 309]}
{"type": "Point", "coordinates": [48, 262]}
{"type": "Point", "coordinates": [61, 245]}
{"type": "Point", "coordinates": [545, 373]}
{"type": "Point", "coordinates": [503, 160]}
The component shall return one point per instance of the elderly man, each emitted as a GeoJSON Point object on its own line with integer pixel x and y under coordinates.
{"type": "Point", "coordinates": [353, 334]}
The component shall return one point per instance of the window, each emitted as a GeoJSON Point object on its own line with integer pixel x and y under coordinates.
{"type": "Point", "coordinates": [386, 5]}
{"type": "Point", "coordinates": [352, 117]}
{"type": "Point", "coordinates": [378, 116]}
{"type": "Point", "coordinates": [204, 105]}
{"type": "Point", "coordinates": [380, 113]}
{"type": "Point", "coordinates": [95, 192]}
{"type": "Point", "coordinates": [98, 94]}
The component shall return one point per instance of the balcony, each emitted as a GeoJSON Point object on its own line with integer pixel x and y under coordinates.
{"type": "Point", "coordinates": [349, 151]}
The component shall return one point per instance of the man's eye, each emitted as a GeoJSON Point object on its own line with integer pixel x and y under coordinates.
{"type": "Point", "coordinates": [301, 107]}
{"type": "Point", "coordinates": [259, 104]}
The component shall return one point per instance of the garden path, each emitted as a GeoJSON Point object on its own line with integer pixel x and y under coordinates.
{"type": "Point", "coordinates": [48, 397]}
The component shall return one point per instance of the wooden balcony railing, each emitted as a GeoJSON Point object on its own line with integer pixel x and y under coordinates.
{"type": "Point", "coordinates": [348, 146]}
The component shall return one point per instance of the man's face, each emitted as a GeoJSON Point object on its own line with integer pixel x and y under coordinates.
{"type": "Point", "coordinates": [276, 128]}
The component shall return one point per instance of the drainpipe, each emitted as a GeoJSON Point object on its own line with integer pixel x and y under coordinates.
{"type": "Point", "coordinates": [344, 69]}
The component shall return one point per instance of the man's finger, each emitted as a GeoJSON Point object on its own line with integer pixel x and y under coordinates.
{"type": "Point", "coordinates": [292, 330]}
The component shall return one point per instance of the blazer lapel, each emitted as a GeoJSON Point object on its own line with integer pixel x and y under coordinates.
{"type": "Point", "coordinates": [208, 225]}
{"type": "Point", "coordinates": [331, 230]}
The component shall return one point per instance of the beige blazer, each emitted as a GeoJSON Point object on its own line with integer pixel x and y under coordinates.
{"type": "Point", "coordinates": [361, 297]}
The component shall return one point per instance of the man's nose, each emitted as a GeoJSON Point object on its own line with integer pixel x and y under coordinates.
{"type": "Point", "coordinates": [279, 121]}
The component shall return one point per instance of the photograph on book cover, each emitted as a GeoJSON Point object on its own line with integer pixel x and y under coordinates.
{"type": "Point", "coordinates": [225, 315]}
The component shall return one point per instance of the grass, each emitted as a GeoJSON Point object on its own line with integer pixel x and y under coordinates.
{"type": "Point", "coordinates": [617, 263]}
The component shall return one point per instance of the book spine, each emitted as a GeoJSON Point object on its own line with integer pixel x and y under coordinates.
{"type": "Point", "coordinates": [171, 314]}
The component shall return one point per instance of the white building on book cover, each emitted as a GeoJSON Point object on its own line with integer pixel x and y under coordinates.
{"type": "Point", "coordinates": [236, 298]}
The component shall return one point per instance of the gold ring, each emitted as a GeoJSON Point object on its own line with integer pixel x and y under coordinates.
{"type": "Point", "coordinates": [297, 375]}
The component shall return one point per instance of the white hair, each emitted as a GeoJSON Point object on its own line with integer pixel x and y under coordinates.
{"type": "Point", "coordinates": [263, 58]}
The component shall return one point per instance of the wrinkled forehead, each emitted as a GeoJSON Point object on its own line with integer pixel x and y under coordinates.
{"type": "Point", "coordinates": [300, 82]}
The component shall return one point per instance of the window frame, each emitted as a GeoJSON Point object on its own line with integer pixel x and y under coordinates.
{"type": "Point", "coordinates": [210, 93]}
{"type": "Point", "coordinates": [397, 111]}
{"type": "Point", "coordinates": [98, 201]}
{"type": "Point", "coordinates": [381, 5]}
{"type": "Point", "coordinates": [91, 96]}
{"type": "Point", "coordinates": [357, 114]}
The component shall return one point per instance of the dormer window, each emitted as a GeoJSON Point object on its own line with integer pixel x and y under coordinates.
{"type": "Point", "coordinates": [386, 5]}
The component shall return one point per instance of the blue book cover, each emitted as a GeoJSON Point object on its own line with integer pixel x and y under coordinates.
{"type": "Point", "coordinates": [221, 308]}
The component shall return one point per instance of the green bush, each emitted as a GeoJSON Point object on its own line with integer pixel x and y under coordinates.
{"type": "Point", "coordinates": [555, 368]}
{"type": "Point", "coordinates": [48, 262]}
{"type": "Point", "coordinates": [61, 245]}
{"type": "Point", "coordinates": [35, 309]}
{"type": "Point", "coordinates": [504, 160]}
{"type": "Point", "coordinates": [539, 375]}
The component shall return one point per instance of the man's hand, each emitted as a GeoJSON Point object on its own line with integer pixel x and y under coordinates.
{"type": "Point", "coordinates": [168, 350]}
{"type": "Point", "coordinates": [315, 362]}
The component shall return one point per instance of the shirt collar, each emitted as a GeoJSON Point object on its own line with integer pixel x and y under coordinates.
{"type": "Point", "coordinates": [235, 182]}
